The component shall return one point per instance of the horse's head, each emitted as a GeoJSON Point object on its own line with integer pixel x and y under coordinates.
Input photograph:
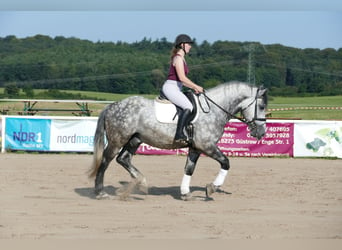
{"type": "Point", "coordinates": [253, 110]}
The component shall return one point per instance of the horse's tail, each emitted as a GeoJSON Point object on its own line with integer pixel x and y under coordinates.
{"type": "Point", "coordinates": [98, 144]}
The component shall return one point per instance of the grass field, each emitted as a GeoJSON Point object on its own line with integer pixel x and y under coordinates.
{"type": "Point", "coordinates": [296, 107]}
{"type": "Point", "coordinates": [296, 104]}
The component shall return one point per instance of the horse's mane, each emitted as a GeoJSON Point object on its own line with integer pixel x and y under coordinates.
{"type": "Point", "coordinates": [237, 84]}
{"type": "Point", "coordinates": [233, 84]}
{"type": "Point", "coordinates": [233, 87]}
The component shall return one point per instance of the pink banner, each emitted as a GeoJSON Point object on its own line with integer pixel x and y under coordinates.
{"type": "Point", "coordinates": [236, 141]}
{"type": "Point", "coordinates": [278, 141]}
{"type": "Point", "coordinates": [145, 149]}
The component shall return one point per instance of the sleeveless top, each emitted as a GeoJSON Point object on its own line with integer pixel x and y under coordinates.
{"type": "Point", "coordinates": [173, 74]}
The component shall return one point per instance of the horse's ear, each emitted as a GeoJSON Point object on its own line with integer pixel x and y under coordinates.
{"type": "Point", "coordinates": [262, 91]}
{"type": "Point", "coordinates": [262, 87]}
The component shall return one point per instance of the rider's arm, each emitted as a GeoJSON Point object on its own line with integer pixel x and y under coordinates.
{"type": "Point", "coordinates": [179, 66]}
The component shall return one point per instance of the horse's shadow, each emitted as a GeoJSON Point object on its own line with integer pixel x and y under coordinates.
{"type": "Point", "coordinates": [172, 191]}
{"type": "Point", "coordinates": [89, 191]}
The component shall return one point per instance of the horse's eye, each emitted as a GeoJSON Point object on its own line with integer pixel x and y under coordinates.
{"type": "Point", "coordinates": [262, 107]}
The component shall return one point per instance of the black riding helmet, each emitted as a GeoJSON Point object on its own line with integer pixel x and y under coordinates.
{"type": "Point", "coordinates": [182, 38]}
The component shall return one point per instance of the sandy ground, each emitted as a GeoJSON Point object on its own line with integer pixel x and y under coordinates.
{"type": "Point", "coordinates": [48, 196]}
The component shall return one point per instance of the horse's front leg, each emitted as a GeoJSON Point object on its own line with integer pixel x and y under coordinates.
{"type": "Point", "coordinates": [221, 176]}
{"type": "Point", "coordinates": [190, 165]}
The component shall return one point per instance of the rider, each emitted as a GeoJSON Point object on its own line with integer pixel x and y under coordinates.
{"type": "Point", "coordinates": [177, 78]}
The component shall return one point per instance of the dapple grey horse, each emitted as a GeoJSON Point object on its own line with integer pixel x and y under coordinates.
{"type": "Point", "coordinates": [122, 126]}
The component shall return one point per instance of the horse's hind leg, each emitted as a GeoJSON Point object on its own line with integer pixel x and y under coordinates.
{"type": "Point", "coordinates": [124, 159]}
{"type": "Point", "coordinates": [107, 157]}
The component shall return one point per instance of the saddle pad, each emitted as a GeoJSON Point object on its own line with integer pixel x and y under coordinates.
{"type": "Point", "coordinates": [165, 112]}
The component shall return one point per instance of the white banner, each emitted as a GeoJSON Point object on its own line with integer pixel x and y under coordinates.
{"type": "Point", "coordinates": [72, 135]}
{"type": "Point", "coordinates": [318, 139]}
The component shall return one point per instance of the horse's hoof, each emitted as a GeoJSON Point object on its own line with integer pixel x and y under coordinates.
{"type": "Point", "coordinates": [210, 189]}
{"type": "Point", "coordinates": [187, 197]}
{"type": "Point", "coordinates": [142, 186]}
{"type": "Point", "coordinates": [102, 196]}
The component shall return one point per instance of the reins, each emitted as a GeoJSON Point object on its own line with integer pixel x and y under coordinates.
{"type": "Point", "coordinates": [207, 98]}
{"type": "Point", "coordinates": [252, 122]}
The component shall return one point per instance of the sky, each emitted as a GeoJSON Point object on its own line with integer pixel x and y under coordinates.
{"type": "Point", "coordinates": [293, 23]}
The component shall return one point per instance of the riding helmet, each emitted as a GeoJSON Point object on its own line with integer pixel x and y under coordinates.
{"type": "Point", "coordinates": [182, 38]}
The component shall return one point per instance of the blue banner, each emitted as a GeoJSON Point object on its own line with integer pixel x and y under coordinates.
{"type": "Point", "coordinates": [27, 134]}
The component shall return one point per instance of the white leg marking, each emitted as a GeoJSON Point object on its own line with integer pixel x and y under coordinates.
{"type": "Point", "coordinates": [220, 177]}
{"type": "Point", "coordinates": [185, 186]}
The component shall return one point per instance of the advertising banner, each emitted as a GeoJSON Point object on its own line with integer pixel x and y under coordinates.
{"type": "Point", "coordinates": [282, 138]}
{"type": "Point", "coordinates": [27, 134]}
{"type": "Point", "coordinates": [49, 134]}
{"type": "Point", "coordinates": [323, 139]}
{"type": "Point", "coordinates": [145, 149]}
{"type": "Point", "coordinates": [236, 141]}
{"type": "Point", "coordinates": [72, 135]}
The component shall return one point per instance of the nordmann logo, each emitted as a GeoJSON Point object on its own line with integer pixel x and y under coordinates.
{"type": "Point", "coordinates": [75, 139]}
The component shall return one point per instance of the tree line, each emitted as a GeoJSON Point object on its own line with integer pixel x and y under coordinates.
{"type": "Point", "coordinates": [42, 62]}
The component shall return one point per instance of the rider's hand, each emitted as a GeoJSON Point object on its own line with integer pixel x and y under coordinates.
{"type": "Point", "coordinates": [198, 89]}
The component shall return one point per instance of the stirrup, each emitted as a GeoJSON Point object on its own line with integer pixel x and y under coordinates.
{"type": "Point", "coordinates": [182, 140]}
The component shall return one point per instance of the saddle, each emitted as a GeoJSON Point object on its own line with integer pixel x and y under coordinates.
{"type": "Point", "coordinates": [167, 112]}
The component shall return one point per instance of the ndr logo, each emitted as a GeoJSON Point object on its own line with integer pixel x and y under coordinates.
{"type": "Point", "coordinates": [27, 136]}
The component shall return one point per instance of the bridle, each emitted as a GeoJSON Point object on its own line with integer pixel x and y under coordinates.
{"type": "Point", "coordinates": [250, 123]}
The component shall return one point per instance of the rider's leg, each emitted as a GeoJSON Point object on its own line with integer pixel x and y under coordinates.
{"type": "Point", "coordinates": [183, 120]}
{"type": "Point", "coordinates": [173, 92]}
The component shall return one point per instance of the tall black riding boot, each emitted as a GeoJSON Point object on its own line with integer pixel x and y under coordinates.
{"type": "Point", "coordinates": [183, 120]}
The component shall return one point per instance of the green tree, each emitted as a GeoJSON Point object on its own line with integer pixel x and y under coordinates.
{"type": "Point", "coordinates": [28, 90]}
{"type": "Point", "coordinates": [141, 67]}
{"type": "Point", "coordinates": [11, 90]}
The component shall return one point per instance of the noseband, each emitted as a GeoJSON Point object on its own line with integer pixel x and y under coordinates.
{"type": "Point", "coordinates": [250, 123]}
